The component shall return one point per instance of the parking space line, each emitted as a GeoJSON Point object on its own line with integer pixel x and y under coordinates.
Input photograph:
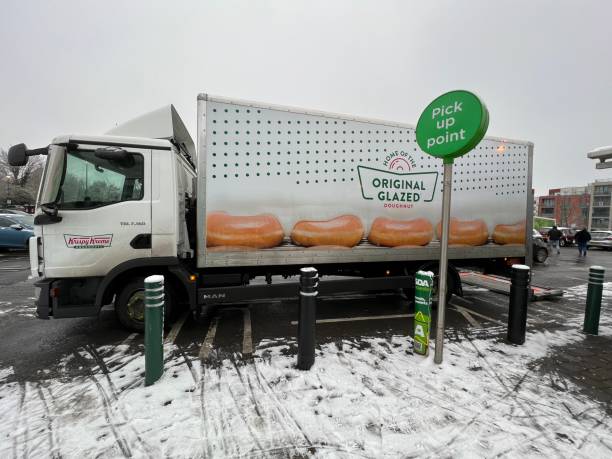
{"type": "Point", "coordinates": [581, 279]}
{"type": "Point", "coordinates": [128, 339]}
{"type": "Point", "coordinates": [457, 307]}
{"type": "Point", "coordinates": [209, 340]}
{"type": "Point", "coordinates": [247, 338]}
{"type": "Point", "coordinates": [176, 328]}
{"type": "Point", "coordinates": [473, 322]}
{"type": "Point", "coordinates": [351, 319]}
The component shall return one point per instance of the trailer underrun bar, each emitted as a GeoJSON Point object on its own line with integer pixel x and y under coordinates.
{"type": "Point", "coordinates": [235, 294]}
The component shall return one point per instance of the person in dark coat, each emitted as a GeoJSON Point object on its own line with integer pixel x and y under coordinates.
{"type": "Point", "coordinates": [554, 236]}
{"type": "Point", "coordinates": [582, 237]}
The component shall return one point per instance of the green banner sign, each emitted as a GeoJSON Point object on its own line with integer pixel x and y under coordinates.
{"type": "Point", "coordinates": [422, 308]}
{"type": "Point", "coordinates": [452, 125]}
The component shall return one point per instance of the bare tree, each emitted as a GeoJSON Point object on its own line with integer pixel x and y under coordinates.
{"type": "Point", "coordinates": [19, 175]}
{"type": "Point", "coordinates": [20, 184]}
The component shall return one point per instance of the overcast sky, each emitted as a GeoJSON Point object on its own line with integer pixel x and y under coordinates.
{"type": "Point", "coordinates": [544, 68]}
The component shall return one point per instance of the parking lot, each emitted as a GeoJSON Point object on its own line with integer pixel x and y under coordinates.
{"type": "Point", "coordinates": [75, 387]}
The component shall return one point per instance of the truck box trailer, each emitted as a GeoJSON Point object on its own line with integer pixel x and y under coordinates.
{"type": "Point", "coordinates": [268, 190]}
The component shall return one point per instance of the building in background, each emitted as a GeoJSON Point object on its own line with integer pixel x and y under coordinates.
{"type": "Point", "coordinates": [568, 206]}
{"type": "Point", "coordinates": [599, 210]}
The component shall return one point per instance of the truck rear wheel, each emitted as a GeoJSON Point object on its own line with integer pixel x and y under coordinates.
{"type": "Point", "coordinates": [129, 304]}
{"type": "Point", "coordinates": [451, 282]}
{"type": "Point", "coordinates": [541, 255]}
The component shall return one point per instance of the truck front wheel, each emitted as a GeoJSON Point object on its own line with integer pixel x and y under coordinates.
{"type": "Point", "coordinates": [129, 304]}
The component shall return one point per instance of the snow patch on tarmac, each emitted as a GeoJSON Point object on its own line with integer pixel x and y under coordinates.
{"type": "Point", "coordinates": [365, 398]}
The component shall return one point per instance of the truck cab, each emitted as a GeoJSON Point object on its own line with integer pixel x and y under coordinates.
{"type": "Point", "coordinates": [111, 210]}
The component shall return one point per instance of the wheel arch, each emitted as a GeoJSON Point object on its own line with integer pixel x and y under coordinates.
{"type": "Point", "coordinates": [169, 267]}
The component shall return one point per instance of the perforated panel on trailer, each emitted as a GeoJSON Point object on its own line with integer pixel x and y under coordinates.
{"type": "Point", "coordinates": [301, 165]}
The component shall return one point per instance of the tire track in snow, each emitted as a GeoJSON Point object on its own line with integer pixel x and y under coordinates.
{"type": "Point", "coordinates": [108, 412]}
{"type": "Point", "coordinates": [512, 393]}
{"type": "Point", "coordinates": [224, 420]}
{"type": "Point", "coordinates": [192, 370]}
{"type": "Point", "coordinates": [389, 375]}
{"type": "Point", "coordinates": [248, 388]}
{"type": "Point", "coordinates": [219, 427]}
{"type": "Point", "coordinates": [203, 413]}
{"type": "Point", "coordinates": [113, 390]}
{"type": "Point", "coordinates": [241, 411]}
{"type": "Point", "coordinates": [267, 388]}
{"type": "Point", "coordinates": [53, 447]}
{"type": "Point", "coordinates": [271, 415]}
{"type": "Point", "coordinates": [19, 416]}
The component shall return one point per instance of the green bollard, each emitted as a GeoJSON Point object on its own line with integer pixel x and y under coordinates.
{"type": "Point", "coordinates": [593, 301]}
{"type": "Point", "coordinates": [422, 310]}
{"type": "Point", "coordinates": [154, 328]}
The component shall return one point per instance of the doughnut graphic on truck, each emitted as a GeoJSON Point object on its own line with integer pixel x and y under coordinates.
{"type": "Point", "coordinates": [263, 191]}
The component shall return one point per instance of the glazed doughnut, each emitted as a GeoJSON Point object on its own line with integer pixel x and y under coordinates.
{"type": "Point", "coordinates": [510, 234]}
{"type": "Point", "coordinates": [393, 233]}
{"type": "Point", "coordinates": [345, 230]}
{"type": "Point", "coordinates": [468, 232]}
{"type": "Point", "coordinates": [255, 231]}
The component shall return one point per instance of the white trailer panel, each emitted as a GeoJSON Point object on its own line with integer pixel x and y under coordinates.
{"type": "Point", "coordinates": [305, 165]}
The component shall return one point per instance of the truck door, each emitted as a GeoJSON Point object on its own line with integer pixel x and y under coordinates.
{"type": "Point", "coordinates": [105, 207]}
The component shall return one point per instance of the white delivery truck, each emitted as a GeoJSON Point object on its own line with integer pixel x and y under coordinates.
{"type": "Point", "coordinates": [269, 189]}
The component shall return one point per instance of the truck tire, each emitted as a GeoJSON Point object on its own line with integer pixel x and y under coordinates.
{"type": "Point", "coordinates": [541, 255]}
{"type": "Point", "coordinates": [450, 289]}
{"type": "Point", "coordinates": [129, 304]}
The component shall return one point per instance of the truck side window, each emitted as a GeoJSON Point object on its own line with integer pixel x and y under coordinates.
{"type": "Point", "coordinates": [91, 182]}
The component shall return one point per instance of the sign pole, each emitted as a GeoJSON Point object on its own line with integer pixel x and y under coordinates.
{"type": "Point", "coordinates": [443, 272]}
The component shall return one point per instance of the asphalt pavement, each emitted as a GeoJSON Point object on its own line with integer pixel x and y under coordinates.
{"type": "Point", "coordinates": [52, 370]}
{"type": "Point", "coordinates": [34, 347]}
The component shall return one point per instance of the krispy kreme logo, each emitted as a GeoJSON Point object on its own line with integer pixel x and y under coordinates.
{"type": "Point", "coordinates": [88, 242]}
{"type": "Point", "coordinates": [397, 186]}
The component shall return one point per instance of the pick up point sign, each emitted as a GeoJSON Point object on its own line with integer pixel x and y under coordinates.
{"type": "Point", "coordinates": [452, 125]}
{"type": "Point", "coordinates": [449, 127]}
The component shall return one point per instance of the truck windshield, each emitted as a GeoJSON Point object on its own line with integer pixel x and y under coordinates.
{"type": "Point", "coordinates": [79, 179]}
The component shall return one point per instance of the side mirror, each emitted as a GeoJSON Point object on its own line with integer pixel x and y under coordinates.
{"type": "Point", "coordinates": [17, 155]}
{"type": "Point", "coordinates": [17, 226]}
{"type": "Point", "coordinates": [49, 209]}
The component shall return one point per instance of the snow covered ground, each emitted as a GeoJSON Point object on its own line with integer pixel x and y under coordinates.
{"type": "Point", "coordinates": [368, 397]}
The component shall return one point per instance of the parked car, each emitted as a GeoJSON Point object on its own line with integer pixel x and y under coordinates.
{"type": "Point", "coordinates": [15, 231]}
{"type": "Point", "coordinates": [13, 211]}
{"type": "Point", "coordinates": [540, 248]}
{"type": "Point", "coordinates": [567, 239]}
{"type": "Point", "coordinates": [601, 239]}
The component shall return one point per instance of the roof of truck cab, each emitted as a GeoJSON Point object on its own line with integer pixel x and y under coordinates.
{"type": "Point", "coordinates": [115, 141]}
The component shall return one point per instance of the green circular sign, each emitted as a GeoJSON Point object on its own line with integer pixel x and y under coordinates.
{"type": "Point", "coordinates": [452, 125]}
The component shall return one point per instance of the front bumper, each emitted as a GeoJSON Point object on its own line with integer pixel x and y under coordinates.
{"type": "Point", "coordinates": [66, 297]}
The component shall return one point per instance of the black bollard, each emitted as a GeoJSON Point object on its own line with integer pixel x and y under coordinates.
{"type": "Point", "coordinates": [519, 298]}
{"type": "Point", "coordinates": [309, 283]}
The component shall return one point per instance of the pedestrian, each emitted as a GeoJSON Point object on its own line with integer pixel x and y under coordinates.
{"type": "Point", "coordinates": [582, 237]}
{"type": "Point", "coordinates": [554, 235]}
